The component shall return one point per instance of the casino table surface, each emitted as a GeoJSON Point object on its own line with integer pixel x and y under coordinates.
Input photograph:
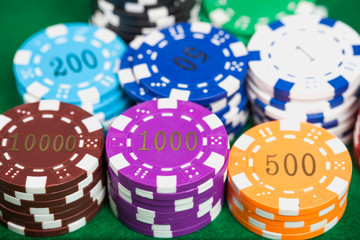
{"type": "Point", "coordinates": [21, 18]}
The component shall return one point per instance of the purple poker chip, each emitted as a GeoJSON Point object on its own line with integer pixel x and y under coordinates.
{"type": "Point", "coordinates": [186, 220]}
{"type": "Point", "coordinates": [167, 146]}
{"type": "Point", "coordinates": [195, 206]}
{"type": "Point", "coordinates": [126, 204]}
{"type": "Point", "coordinates": [217, 186]}
{"type": "Point", "coordinates": [194, 192]}
{"type": "Point", "coordinates": [168, 231]}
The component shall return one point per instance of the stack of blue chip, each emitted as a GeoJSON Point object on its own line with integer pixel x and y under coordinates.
{"type": "Point", "coordinates": [75, 63]}
{"type": "Point", "coordinates": [190, 61]}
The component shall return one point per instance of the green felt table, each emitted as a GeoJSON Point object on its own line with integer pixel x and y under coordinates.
{"type": "Point", "coordinates": [21, 18]}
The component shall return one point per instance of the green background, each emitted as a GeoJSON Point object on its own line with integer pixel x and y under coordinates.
{"type": "Point", "coordinates": [21, 18]}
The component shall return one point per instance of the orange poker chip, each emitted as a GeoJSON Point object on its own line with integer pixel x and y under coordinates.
{"type": "Point", "coordinates": [272, 235]}
{"type": "Point", "coordinates": [299, 227]}
{"type": "Point", "coordinates": [289, 220]}
{"type": "Point", "coordinates": [290, 168]}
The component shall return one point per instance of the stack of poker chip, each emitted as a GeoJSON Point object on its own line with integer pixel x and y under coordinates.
{"type": "Point", "coordinates": [74, 63]}
{"type": "Point", "coordinates": [52, 165]}
{"type": "Point", "coordinates": [242, 18]}
{"type": "Point", "coordinates": [190, 61]}
{"type": "Point", "coordinates": [288, 180]}
{"type": "Point", "coordinates": [305, 68]}
{"type": "Point", "coordinates": [356, 141]}
{"type": "Point", "coordinates": [167, 167]}
{"type": "Point", "coordinates": [133, 18]}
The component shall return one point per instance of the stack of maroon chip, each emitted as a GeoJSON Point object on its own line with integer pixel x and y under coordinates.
{"type": "Point", "coordinates": [51, 168]}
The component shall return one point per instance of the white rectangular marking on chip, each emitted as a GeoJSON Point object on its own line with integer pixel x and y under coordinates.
{"type": "Point", "coordinates": [77, 224]}
{"type": "Point", "coordinates": [4, 120]}
{"type": "Point", "coordinates": [201, 27]}
{"type": "Point", "coordinates": [105, 35]}
{"type": "Point", "coordinates": [307, 140]}
{"type": "Point", "coordinates": [167, 103]}
{"type": "Point", "coordinates": [188, 200]}
{"type": "Point", "coordinates": [244, 142]}
{"type": "Point", "coordinates": [146, 212]}
{"type": "Point", "coordinates": [141, 71]}
{"type": "Point", "coordinates": [271, 235]}
{"type": "Point", "coordinates": [330, 225]}
{"type": "Point", "coordinates": [58, 166]}
{"type": "Point", "coordinates": [198, 126]}
{"type": "Point", "coordinates": [49, 105]}
{"type": "Point", "coordinates": [230, 84]}
{"type": "Point", "coordinates": [256, 223]}
{"type": "Point", "coordinates": [92, 124]}
{"type": "Point", "coordinates": [133, 156]}
{"type": "Point", "coordinates": [4, 142]}
{"type": "Point", "coordinates": [215, 161]}
{"type": "Point", "coordinates": [204, 211]}
{"type": "Point", "coordinates": [336, 146]}
{"type": "Point", "coordinates": [237, 204]}
{"type": "Point", "coordinates": [126, 76]}
{"type": "Point", "coordinates": [318, 225]}
{"type": "Point", "coordinates": [144, 193]}
{"type": "Point", "coordinates": [118, 162]}
{"type": "Point", "coordinates": [288, 192]}
{"type": "Point", "coordinates": [270, 139]}
{"type": "Point", "coordinates": [121, 122]}
{"type": "Point", "coordinates": [147, 166]}
{"type": "Point", "coordinates": [322, 151]}
{"type": "Point", "coordinates": [343, 200]}
{"type": "Point", "coordinates": [251, 162]}
{"type": "Point", "coordinates": [199, 155]}
{"type": "Point", "coordinates": [308, 189]}
{"type": "Point", "coordinates": [238, 49]}
{"type": "Point", "coordinates": [294, 224]}
{"type": "Point", "coordinates": [265, 214]}
{"type": "Point", "coordinates": [186, 118]}
{"type": "Point", "coordinates": [35, 184]}
{"type": "Point", "coordinates": [166, 184]}
{"type": "Point", "coordinates": [28, 119]}
{"type": "Point", "coordinates": [64, 119]}
{"type": "Point", "coordinates": [205, 186]}
{"type": "Point", "coordinates": [269, 187]}
{"type": "Point", "coordinates": [338, 186]}
{"type": "Point", "coordinates": [255, 176]}
{"type": "Point", "coordinates": [19, 166]}
{"type": "Point", "coordinates": [289, 206]}
{"type": "Point", "coordinates": [290, 125]}
{"type": "Point", "coordinates": [22, 57]}
{"type": "Point", "coordinates": [39, 211]}
{"type": "Point", "coordinates": [154, 38]}
{"type": "Point", "coordinates": [16, 228]}
{"type": "Point", "coordinates": [226, 52]}
{"type": "Point", "coordinates": [161, 228]}
{"type": "Point", "coordinates": [256, 149]}
{"type": "Point", "coordinates": [289, 136]}
{"type": "Point", "coordinates": [180, 94]}
{"type": "Point", "coordinates": [240, 181]}
{"type": "Point", "coordinates": [185, 165]}
{"type": "Point", "coordinates": [213, 121]}
{"type": "Point", "coordinates": [167, 114]}
{"type": "Point", "coordinates": [7, 156]}
{"type": "Point", "coordinates": [148, 118]}
{"type": "Point", "coordinates": [88, 163]}
{"type": "Point", "coordinates": [166, 169]}
{"type": "Point", "coordinates": [322, 179]}
{"type": "Point", "coordinates": [12, 199]}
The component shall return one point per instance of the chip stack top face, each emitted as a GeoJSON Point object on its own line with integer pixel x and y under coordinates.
{"type": "Point", "coordinates": [290, 168]}
{"type": "Point", "coordinates": [324, 53]}
{"type": "Point", "coordinates": [243, 18]}
{"type": "Point", "coordinates": [191, 61]}
{"type": "Point", "coordinates": [167, 146]}
{"type": "Point", "coordinates": [73, 62]}
{"type": "Point", "coordinates": [48, 146]}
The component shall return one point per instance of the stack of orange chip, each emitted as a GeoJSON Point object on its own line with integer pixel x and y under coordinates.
{"type": "Point", "coordinates": [288, 180]}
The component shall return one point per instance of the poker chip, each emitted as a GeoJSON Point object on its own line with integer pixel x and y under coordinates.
{"type": "Point", "coordinates": [53, 178]}
{"type": "Point", "coordinates": [155, 196]}
{"type": "Point", "coordinates": [129, 19]}
{"type": "Point", "coordinates": [74, 63]}
{"type": "Point", "coordinates": [288, 180]}
{"type": "Point", "coordinates": [242, 18]}
{"type": "Point", "coordinates": [189, 61]}
{"type": "Point", "coordinates": [302, 68]}
{"type": "Point", "coordinates": [356, 138]}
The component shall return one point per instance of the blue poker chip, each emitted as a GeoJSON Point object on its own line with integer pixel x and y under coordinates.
{"type": "Point", "coordinates": [74, 63]}
{"type": "Point", "coordinates": [126, 75]}
{"type": "Point", "coordinates": [195, 62]}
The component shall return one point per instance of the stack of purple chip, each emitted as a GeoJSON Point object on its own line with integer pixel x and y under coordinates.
{"type": "Point", "coordinates": [167, 167]}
